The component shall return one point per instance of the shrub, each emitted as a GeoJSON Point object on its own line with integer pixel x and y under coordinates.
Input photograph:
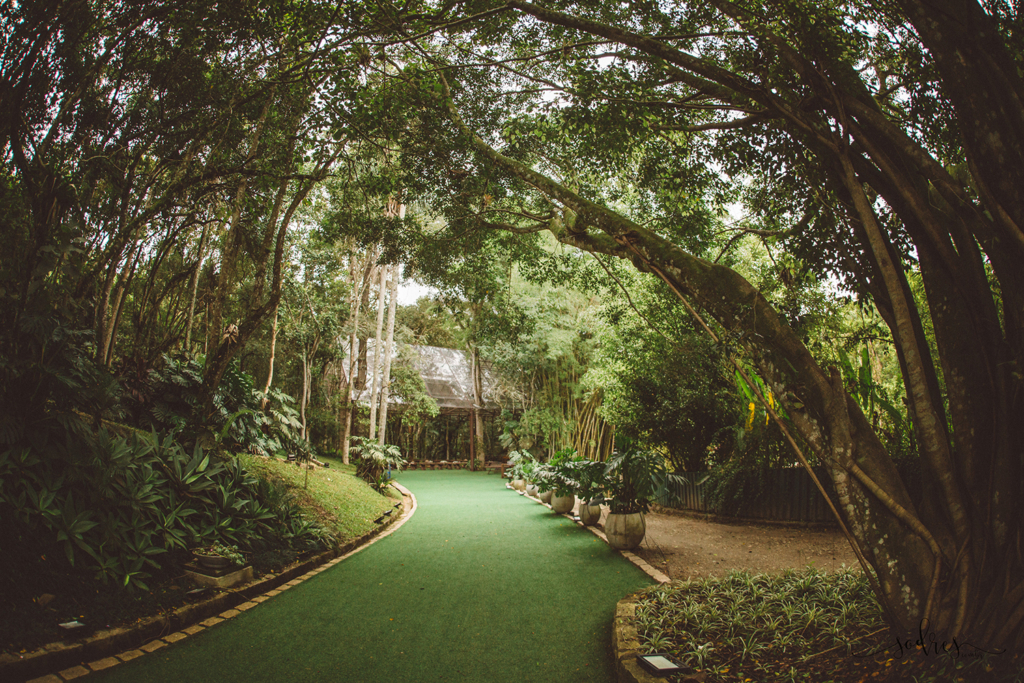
{"type": "Point", "coordinates": [376, 461]}
{"type": "Point", "coordinates": [115, 504]}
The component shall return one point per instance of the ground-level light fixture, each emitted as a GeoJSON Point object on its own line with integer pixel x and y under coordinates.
{"type": "Point", "coordinates": [662, 664]}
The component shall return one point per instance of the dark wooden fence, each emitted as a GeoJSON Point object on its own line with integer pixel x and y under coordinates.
{"type": "Point", "coordinates": [785, 495]}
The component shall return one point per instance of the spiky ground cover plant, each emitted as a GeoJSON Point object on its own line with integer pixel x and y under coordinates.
{"type": "Point", "coordinates": [804, 625]}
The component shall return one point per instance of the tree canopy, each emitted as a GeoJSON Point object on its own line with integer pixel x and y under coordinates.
{"type": "Point", "coordinates": [157, 158]}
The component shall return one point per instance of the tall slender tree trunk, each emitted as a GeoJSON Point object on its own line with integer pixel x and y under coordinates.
{"type": "Point", "coordinates": [194, 289]}
{"type": "Point", "coordinates": [478, 404]}
{"type": "Point", "coordinates": [388, 352]}
{"type": "Point", "coordinates": [307, 379]}
{"type": "Point", "coordinates": [302, 397]}
{"type": "Point", "coordinates": [376, 353]}
{"type": "Point", "coordinates": [270, 363]}
{"type": "Point", "coordinates": [357, 296]}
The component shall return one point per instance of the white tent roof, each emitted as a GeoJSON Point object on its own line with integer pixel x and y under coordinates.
{"type": "Point", "coordinates": [446, 373]}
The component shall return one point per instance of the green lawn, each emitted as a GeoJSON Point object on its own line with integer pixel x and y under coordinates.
{"type": "Point", "coordinates": [479, 585]}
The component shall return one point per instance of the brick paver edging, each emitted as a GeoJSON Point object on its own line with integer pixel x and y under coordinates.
{"type": "Point", "coordinates": [110, 647]}
{"type": "Point", "coordinates": [626, 646]}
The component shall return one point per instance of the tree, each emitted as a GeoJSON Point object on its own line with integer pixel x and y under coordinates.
{"type": "Point", "coordinates": [665, 383]}
{"type": "Point", "coordinates": [388, 349]}
{"type": "Point", "coordinates": [859, 168]}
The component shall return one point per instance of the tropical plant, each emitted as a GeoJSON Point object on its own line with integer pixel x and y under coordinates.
{"type": "Point", "coordinates": [521, 464]}
{"type": "Point", "coordinates": [590, 480]}
{"type": "Point", "coordinates": [242, 418]}
{"type": "Point", "coordinates": [637, 477]}
{"type": "Point", "coordinates": [376, 461]}
{"type": "Point", "coordinates": [114, 504]}
{"type": "Point", "coordinates": [560, 473]}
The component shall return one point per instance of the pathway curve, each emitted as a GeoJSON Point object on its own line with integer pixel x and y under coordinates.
{"type": "Point", "coordinates": [480, 585]}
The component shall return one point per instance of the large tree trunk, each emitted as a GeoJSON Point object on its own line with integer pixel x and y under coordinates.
{"type": "Point", "coordinates": [956, 560]}
{"type": "Point", "coordinates": [307, 379]}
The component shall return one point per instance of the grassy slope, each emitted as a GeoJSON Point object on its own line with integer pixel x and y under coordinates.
{"type": "Point", "coordinates": [337, 498]}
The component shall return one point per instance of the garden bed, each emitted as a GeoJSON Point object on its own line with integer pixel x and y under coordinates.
{"type": "Point", "coordinates": [795, 626]}
{"type": "Point", "coordinates": [44, 596]}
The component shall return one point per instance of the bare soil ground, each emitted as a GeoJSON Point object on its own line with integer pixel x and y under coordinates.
{"type": "Point", "coordinates": [687, 547]}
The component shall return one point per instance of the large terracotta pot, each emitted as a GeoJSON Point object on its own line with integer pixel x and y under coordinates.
{"type": "Point", "coordinates": [519, 484]}
{"type": "Point", "coordinates": [625, 531]}
{"type": "Point", "coordinates": [590, 514]}
{"type": "Point", "coordinates": [545, 497]}
{"type": "Point", "coordinates": [563, 504]}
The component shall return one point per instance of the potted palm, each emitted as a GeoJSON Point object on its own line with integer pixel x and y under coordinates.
{"type": "Point", "coordinates": [635, 478]}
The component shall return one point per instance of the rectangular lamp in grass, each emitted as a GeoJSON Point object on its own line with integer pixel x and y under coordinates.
{"type": "Point", "coordinates": [662, 664]}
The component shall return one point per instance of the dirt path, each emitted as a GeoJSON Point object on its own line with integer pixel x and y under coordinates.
{"type": "Point", "coordinates": [687, 547]}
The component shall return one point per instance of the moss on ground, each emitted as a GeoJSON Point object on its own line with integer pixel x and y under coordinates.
{"type": "Point", "coordinates": [334, 496]}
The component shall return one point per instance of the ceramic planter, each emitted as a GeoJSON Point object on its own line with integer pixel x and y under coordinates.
{"type": "Point", "coordinates": [563, 504]}
{"type": "Point", "coordinates": [531, 490]}
{"type": "Point", "coordinates": [212, 561]}
{"type": "Point", "coordinates": [519, 484]}
{"type": "Point", "coordinates": [590, 513]}
{"type": "Point", "coordinates": [545, 496]}
{"type": "Point", "coordinates": [625, 531]}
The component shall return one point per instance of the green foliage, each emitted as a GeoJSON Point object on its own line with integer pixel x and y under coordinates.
{"type": "Point", "coordinates": [673, 396]}
{"type": "Point", "coordinates": [567, 473]}
{"type": "Point", "coordinates": [229, 552]}
{"type": "Point", "coordinates": [376, 462]}
{"type": "Point", "coordinates": [877, 402]}
{"type": "Point", "coordinates": [744, 626]}
{"type": "Point", "coordinates": [238, 420]}
{"type": "Point", "coordinates": [114, 504]}
{"type": "Point", "coordinates": [407, 384]}
{"type": "Point", "coordinates": [635, 478]}
{"type": "Point", "coordinates": [521, 464]}
{"type": "Point", "coordinates": [589, 479]}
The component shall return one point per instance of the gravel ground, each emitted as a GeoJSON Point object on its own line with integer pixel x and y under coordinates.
{"type": "Point", "coordinates": [686, 547]}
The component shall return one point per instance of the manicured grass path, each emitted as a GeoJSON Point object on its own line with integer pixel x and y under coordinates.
{"type": "Point", "coordinates": [480, 585]}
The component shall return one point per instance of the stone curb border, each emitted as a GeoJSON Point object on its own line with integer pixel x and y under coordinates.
{"type": "Point", "coordinates": [646, 568]}
{"type": "Point", "coordinates": [110, 647]}
{"type": "Point", "coordinates": [626, 646]}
